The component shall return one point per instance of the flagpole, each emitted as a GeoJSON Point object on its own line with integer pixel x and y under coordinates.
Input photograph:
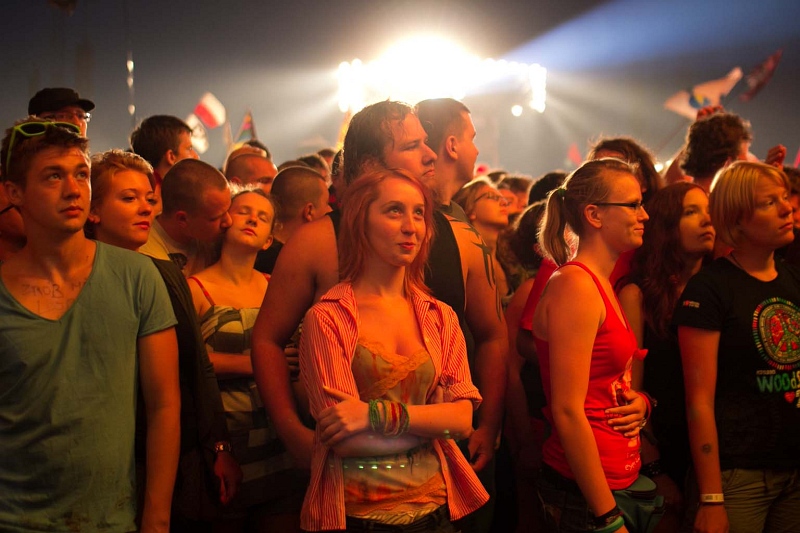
{"type": "Point", "coordinates": [252, 125]}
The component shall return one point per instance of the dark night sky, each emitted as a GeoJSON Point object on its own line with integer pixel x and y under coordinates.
{"type": "Point", "coordinates": [610, 64]}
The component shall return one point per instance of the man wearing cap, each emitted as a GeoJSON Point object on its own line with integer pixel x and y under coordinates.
{"type": "Point", "coordinates": [61, 104]}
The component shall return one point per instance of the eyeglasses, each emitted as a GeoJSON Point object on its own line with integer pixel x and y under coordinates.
{"type": "Point", "coordinates": [636, 206]}
{"type": "Point", "coordinates": [34, 129]}
{"type": "Point", "coordinates": [502, 200]}
{"type": "Point", "coordinates": [64, 116]}
{"type": "Point", "coordinates": [7, 208]}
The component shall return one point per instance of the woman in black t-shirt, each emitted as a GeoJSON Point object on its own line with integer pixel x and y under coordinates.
{"type": "Point", "coordinates": [740, 345]}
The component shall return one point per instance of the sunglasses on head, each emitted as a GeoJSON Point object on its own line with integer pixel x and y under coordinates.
{"type": "Point", "coordinates": [34, 129]}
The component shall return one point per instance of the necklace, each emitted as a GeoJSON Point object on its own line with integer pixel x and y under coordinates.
{"type": "Point", "coordinates": [737, 263]}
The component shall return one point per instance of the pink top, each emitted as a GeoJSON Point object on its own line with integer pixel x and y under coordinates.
{"type": "Point", "coordinates": [609, 376]}
{"type": "Point", "coordinates": [621, 268]}
{"type": "Point", "coordinates": [327, 347]}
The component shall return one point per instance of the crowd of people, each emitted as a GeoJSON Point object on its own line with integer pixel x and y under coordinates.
{"type": "Point", "coordinates": [376, 339]}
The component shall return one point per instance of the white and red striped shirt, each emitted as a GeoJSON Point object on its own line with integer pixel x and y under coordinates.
{"type": "Point", "coordinates": [327, 346]}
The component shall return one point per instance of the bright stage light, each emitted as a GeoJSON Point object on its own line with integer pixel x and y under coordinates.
{"type": "Point", "coordinates": [538, 81]}
{"type": "Point", "coordinates": [516, 110]}
{"type": "Point", "coordinates": [431, 67]}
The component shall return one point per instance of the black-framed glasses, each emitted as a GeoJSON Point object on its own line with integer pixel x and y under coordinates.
{"type": "Point", "coordinates": [34, 129]}
{"type": "Point", "coordinates": [64, 116]}
{"type": "Point", "coordinates": [502, 200]}
{"type": "Point", "coordinates": [7, 208]}
{"type": "Point", "coordinates": [636, 206]}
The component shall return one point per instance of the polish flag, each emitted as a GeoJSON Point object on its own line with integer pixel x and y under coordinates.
{"type": "Point", "coordinates": [210, 111]}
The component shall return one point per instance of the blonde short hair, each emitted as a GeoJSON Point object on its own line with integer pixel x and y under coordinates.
{"type": "Point", "coordinates": [733, 196]}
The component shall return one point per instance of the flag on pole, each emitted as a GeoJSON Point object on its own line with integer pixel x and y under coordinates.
{"type": "Point", "coordinates": [210, 111]}
{"type": "Point", "coordinates": [687, 103]}
{"type": "Point", "coordinates": [227, 136]}
{"type": "Point", "coordinates": [760, 76]}
{"type": "Point", "coordinates": [199, 137]}
{"type": "Point", "coordinates": [247, 131]}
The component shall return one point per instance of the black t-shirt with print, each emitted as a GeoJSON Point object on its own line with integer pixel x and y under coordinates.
{"type": "Point", "coordinates": [757, 401]}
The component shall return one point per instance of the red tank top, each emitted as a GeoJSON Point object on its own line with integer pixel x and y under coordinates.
{"type": "Point", "coordinates": [609, 376]}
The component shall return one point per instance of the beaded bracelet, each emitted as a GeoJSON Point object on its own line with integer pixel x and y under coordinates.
{"type": "Point", "coordinates": [375, 414]}
{"type": "Point", "coordinates": [387, 417]}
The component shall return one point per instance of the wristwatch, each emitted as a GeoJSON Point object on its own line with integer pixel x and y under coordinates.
{"type": "Point", "coordinates": [222, 446]}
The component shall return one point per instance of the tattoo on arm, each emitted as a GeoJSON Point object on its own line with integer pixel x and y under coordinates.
{"type": "Point", "coordinates": [488, 266]}
{"type": "Point", "coordinates": [706, 448]}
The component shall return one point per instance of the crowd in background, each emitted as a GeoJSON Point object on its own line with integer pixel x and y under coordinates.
{"type": "Point", "coordinates": [376, 338]}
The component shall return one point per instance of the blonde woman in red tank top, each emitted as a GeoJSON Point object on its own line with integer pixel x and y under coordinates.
{"type": "Point", "coordinates": [586, 348]}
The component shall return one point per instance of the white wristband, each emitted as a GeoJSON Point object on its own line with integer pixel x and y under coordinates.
{"type": "Point", "coordinates": [712, 498]}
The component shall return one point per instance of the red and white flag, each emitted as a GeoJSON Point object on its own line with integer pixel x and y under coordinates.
{"type": "Point", "coordinates": [210, 111]}
{"type": "Point", "coordinates": [688, 103]}
{"type": "Point", "coordinates": [199, 137]}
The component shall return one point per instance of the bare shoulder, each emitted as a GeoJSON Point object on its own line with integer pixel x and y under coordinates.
{"type": "Point", "coordinates": [464, 233]}
{"type": "Point", "coordinates": [310, 251]}
{"type": "Point", "coordinates": [571, 284]}
{"type": "Point", "coordinates": [307, 266]}
{"type": "Point", "coordinates": [310, 240]}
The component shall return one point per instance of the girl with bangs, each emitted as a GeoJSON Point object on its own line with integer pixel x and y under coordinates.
{"type": "Point", "coordinates": [386, 370]}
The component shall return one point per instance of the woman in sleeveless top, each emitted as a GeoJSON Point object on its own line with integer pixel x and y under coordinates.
{"type": "Point", "coordinates": [585, 348]}
{"type": "Point", "coordinates": [227, 298]}
{"type": "Point", "coordinates": [385, 367]}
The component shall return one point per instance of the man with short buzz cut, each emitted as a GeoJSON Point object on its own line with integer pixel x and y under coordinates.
{"type": "Point", "coordinates": [162, 140]}
{"type": "Point", "coordinates": [450, 277]}
{"type": "Point", "coordinates": [251, 169]}
{"type": "Point", "coordinates": [61, 104]}
{"type": "Point", "coordinates": [82, 322]}
{"type": "Point", "coordinates": [196, 199]}
{"type": "Point", "coordinates": [301, 197]}
{"type": "Point", "coordinates": [451, 135]}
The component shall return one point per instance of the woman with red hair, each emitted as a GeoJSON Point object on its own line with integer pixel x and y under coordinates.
{"type": "Point", "coordinates": [386, 370]}
{"type": "Point", "coordinates": [679, 237]}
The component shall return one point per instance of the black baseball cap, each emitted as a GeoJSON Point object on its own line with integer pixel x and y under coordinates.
{"type": "Point", "coordinates": [55, 98]}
